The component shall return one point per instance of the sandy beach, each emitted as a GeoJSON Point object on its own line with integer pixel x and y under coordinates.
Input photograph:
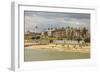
{"type": "Point", "coordinates": [53, 47]}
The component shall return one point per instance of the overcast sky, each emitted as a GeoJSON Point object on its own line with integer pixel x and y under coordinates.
{"type": "Point", "coordinates": [44, 20]}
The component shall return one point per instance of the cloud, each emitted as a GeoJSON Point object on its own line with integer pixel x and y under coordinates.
{"type": "Point", "coordinates": [46, 20]}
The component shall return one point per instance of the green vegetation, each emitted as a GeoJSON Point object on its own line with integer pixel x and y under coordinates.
{"type": "Point", "coordinates": [87, 40]}
{"type": "Point", "coordinates": [78, 39]}
{"type": "Point", "coordinates": [67, 33]}
{"type": "Point", "coordinates": [35, 37]}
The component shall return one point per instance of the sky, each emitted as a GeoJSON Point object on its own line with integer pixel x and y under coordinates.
{"type": "Point", "coordinates": [45, 20]}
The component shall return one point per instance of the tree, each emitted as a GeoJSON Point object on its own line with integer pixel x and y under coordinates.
{"type": "Point", "coordinates": [79, 39]}
{"type": "Point", "coordinates": [84, 31]}
{"type": "Point", "coordinates": [36, 28]}
{"type": "Point", "coordinates": [62, 27]}
{"type": "Point", "coordinates": [35, 37]}
{"type": "Point", "coordinates": [87, 40]}
{"type": "Point", "coordinates": [68, 32]}
{"type": "Point", "coordinates": [71, 33]}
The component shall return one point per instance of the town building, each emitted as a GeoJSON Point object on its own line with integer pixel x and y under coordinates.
{"type": "Point", "coordinates": [68, 33]}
